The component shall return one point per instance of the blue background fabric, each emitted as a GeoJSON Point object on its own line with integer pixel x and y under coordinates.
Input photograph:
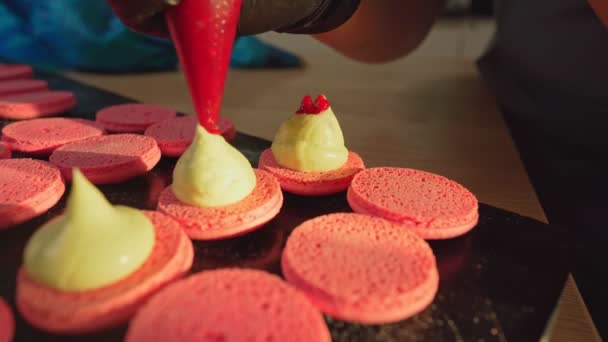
{"type": "Point", "coordinates": [86, 35]}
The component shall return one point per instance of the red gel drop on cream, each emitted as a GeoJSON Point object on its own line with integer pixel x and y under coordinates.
{"type": "Point", "coordinates": [317, 107]}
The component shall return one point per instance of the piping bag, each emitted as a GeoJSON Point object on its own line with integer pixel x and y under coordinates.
{"type": "Point", "coordinates": [203, 32]}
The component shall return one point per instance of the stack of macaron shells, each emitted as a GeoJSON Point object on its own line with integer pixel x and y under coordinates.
{"type": "Point", "coordinates": [24, 98]}
{"type": "Point", "coordinates": [37, 104]}
{"type": "Point", "coordinates": [28, 188]}
{"type": "Point", "coordinates": [431, 205]}
{"type": "Point", "coordinates": [132, 117]}
{"type": "Point", "coordinates": [174, 135]}
{"type": "Point", "coordinates": [40, 137]}
{"type": "Point", "coordinates": [7, 322]}
{"type": "Point", "coordinates": [75, 312]}
{"type": "Point", "coordinates": [213, 223]}
{"type": "Point", "coordinates": [72, 142]}
{"type": "Point", "coordinates": [12, 87]}
{"type": "Point", "coordinates": [15, 71]}
{"type": "Point", "coordinates": [108, 159]}
{"type": "Point", "coordinates": [229, 305]}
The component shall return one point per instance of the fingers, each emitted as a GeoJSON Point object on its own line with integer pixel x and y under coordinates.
{"type": "Point", "coordinates": [258, 16]}
{"type": "Point", "coordinates": [294, 16]}
{"type": "Point", "coordinates": [145, 16]}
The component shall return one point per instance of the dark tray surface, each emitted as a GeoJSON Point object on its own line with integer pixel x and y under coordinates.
{"type": "Point", "coordinates": [499, 282]}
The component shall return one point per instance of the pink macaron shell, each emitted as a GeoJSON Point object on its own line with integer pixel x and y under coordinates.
{"type": "Point", "coordinates": [79, 312]}
{"type": "Point", "coordinates": [312, 183]}
{"type": "Point", "coordinates": [360, 268]}
{"type": "Point", "coordinates": [13, 87]}
{"type": "Point", "coordinates": [40, 137]}
{"type": "Point", "coordinates": [36, 104]}
{"type": "Point", "coordinates": [235, 305]}
{"type": "Point", "coordinates": [213, 223]}
{"type": "Point", "coordinates": [108, 159]}
{"type": "Point", "coordinates": [431, 205]}
{"type": "Point", "coordinates": [28, 188]}
{"type": "Point", "coordinates": [7, 322]}
{"type": "Point", "coordinates": [176, 134]}
{"type": "Point", "coordinates": [132, 117]}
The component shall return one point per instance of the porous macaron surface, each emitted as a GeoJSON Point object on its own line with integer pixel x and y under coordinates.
{"type": "Point", "coordinates": [132, 117]}
{"type": "Point", "coordinates": [361, 268]}
{"type": "Point", "coordinates": [109, 158]}
{"type": "Point", "coordinates": [213, 223]}
{"type": "Point", "coordinates": [94, 310]}
{"type": "Point", "coordinates": [28, 188]}
{"type": "Point", "coordinates": [229, 305]}
{"type": "Point", "coordinates": [42, 136]}
{"type": "Point", "coordinates": [433, 206]}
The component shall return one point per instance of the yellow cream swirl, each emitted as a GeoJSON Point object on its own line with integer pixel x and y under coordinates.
{"type": "Point", "coordinates": [310, 142]}
{"type": "Point", "coordinates": [212, 172]}
{"type": "Point", "coordinates": [93, 244]}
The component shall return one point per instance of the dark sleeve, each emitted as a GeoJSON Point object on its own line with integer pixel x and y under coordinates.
{"type": "Point", "coordinates": [257, 16]}
{"type": "Point", "coordinates": [294, 16]}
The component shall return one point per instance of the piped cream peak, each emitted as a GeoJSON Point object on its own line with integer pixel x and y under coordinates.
{"type": "Point", "coordinates": [212, 172]}
{"type": "Point", "coordinates": [82, 195]}
{"type": "Point", "coordinates": [93, 244]}
{"type": "Point", "coordinates": [311, 140]}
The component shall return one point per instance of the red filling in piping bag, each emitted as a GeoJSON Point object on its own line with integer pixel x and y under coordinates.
{"type": "Point", "coordinates": [203, 32]}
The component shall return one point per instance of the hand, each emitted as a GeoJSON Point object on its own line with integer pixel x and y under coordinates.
{"type": "Point", "coordinates": [144, 16]}
{"type": "Point", "coordinates": [257, 16]}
